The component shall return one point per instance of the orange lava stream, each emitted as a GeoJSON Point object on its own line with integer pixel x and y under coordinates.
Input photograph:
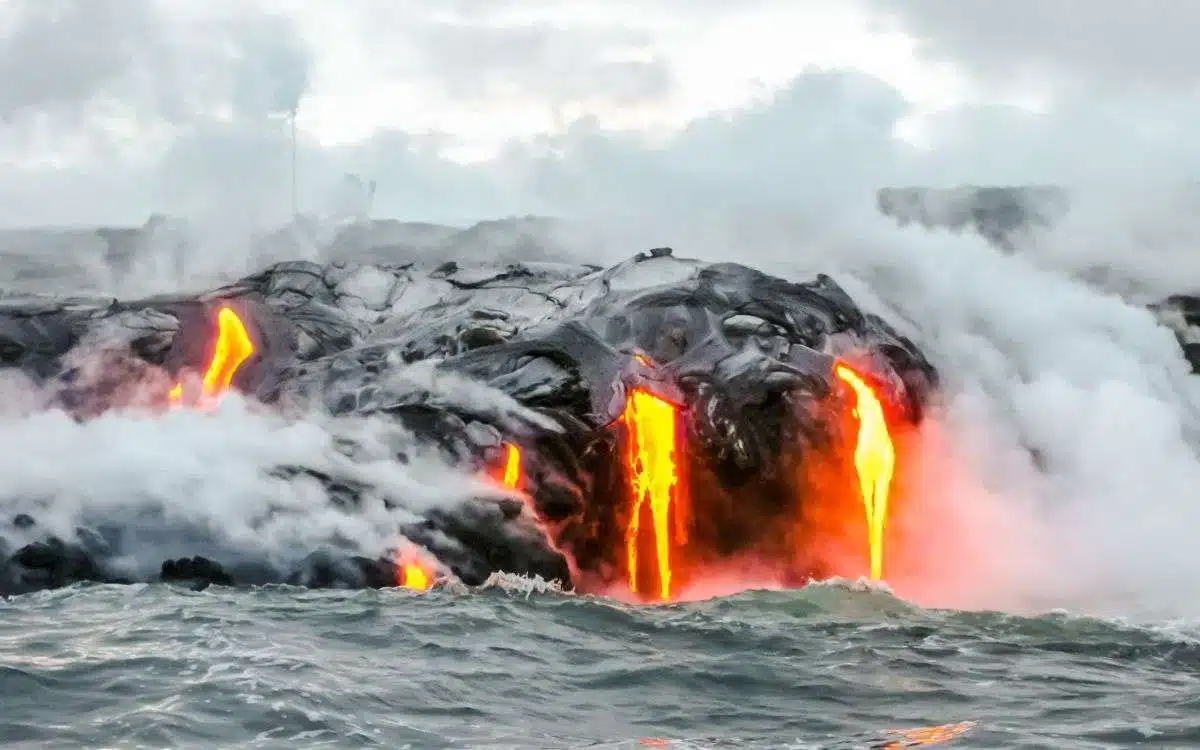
{"type": "Point", "coordinates": [512, 466]}
{"type": "Point", "coordinates": [874, 462]}
{"type": "Point", "coordinates": [651, 452]}
{"type": "Point", "coordinates": [233, 347]}
{"type": "Point", "coordinates": [413, 576]}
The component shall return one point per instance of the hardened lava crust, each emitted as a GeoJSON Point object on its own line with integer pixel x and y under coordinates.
{"type": "Point", "coordinates": [533, 361]}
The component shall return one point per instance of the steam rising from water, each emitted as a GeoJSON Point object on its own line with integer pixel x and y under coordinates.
{"type": "Point", "coordinates": [1061, 467]}
{"type": "Point", "coordinates": [220, 484]}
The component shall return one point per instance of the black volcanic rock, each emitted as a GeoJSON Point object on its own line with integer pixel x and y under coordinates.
{"type": "Point", "coordinates": [50, 564]}
{"type": "Point", "coordinates": [998, 214]}
{"type": "Point", "coordinates": [23, 521]}
{"type": "Point", "coordinates": [325, 569]}
{"type": "Point", "coordinates": [197, 572]}
{"type": "Point", "coordinates": [467, 355]}
{"type": "Point", "coordinates": [1181, 313]}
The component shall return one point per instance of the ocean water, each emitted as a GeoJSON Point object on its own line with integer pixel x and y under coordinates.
{"type": "Point", "coordinates": [518, 666]}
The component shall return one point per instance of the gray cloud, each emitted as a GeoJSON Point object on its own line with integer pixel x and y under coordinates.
{"type": "Point", "coordinates": [817, 150]}
{"type": "Point", "coordinates": [1100, 43]}
{"type": "Point", "coordinates": [560, 64]}
{"type": "Point", "coordinates": [476, 51]}
{"type": "Point", "coordinates": [824, 140]}
{"type": "Point", "coordinates": [66, 56]}
{"type": "Point", "coordinates": [59, 54]}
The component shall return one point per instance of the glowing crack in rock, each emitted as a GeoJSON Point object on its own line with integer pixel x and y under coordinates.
{"type": "Point", "coordinates": [874, 462]}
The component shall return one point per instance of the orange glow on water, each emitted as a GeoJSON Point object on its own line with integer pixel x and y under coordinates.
{"type": "Point", "coordinates": [874, 463]}
{"type": "Point", "coordinates": [651, 455]}
{"type": "Point", "coordinates": [232, 348]}
{"type": "Point", "coordinates": [928, 735]}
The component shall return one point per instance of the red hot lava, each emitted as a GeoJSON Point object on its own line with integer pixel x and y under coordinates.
{"type": "Point", "coordinates": [660, 513]}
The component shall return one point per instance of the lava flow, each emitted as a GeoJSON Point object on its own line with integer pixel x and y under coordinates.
{"type": "Point", "coordinates": [651, 449]}
{"type": "Point", "coordinates": [510, 472]}
{"type": "Point", "coordinates": [874, 462]}
{"type": "Point", "coordinates": [413, 576]}
{"type": "Point", "coordinates": [233, 347]}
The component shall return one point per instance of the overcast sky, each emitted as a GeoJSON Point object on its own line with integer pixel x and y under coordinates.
{"type": "Point", "coordinates": [461, 109]}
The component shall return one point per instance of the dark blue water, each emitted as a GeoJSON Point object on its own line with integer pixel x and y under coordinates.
{"type": "Point", "coordinates": [825, 667]}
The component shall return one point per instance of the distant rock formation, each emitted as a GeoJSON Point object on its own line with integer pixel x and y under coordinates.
{"type": "Point", "coordinates": [998, 214]}
{"type": "Point", "coordinates": [101, 260]}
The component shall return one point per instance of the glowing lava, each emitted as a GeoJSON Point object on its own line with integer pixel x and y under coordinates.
{"type": "Point", "coordinates": [874, 462]}
{"type": "Point", "coordinates": [233, 347]}
{"type": "Point", "coordinates": [654, 477]}
{"type": "Point", "coordinates": [413, 576]}
{"type": "Point", "coordinates": [510, 474]}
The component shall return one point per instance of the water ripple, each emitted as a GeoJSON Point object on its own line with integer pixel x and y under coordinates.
{"type": "Point", "coordinates": [827, 667]}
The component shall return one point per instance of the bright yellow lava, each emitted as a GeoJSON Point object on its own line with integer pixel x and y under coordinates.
{"type": "Point", "coordinates": [512, 466]}
{"type": "Point", "coordinates": [654, 476]}
{"type": "Point", "coordinates": [233, 347]}
{"type": "Point", "coordinates": [413, 576]}
{"type": "Point", "coordinates": [874, 462]}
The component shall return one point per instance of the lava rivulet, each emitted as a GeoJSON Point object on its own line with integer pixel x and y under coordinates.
{"type": "Point", "coordinates": [510, 472]}
{"type": "Point", "coordinates": [232, 348]}
{"type": "Point", "coordinates": [874, 462]}
{"type": "Point", "coordinates": [651, 461]}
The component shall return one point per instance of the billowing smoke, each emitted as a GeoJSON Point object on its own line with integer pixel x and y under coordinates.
{"type": "Point", "coordinates": [1057, 473]}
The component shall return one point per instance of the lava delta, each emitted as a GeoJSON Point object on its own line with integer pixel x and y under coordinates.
{"type": "Point", "coordinates": [677, 419]}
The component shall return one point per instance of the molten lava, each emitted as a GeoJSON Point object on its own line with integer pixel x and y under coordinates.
{"type": "Point", "coordinates": [874, 462]}
{"type": "Point", "coordinates": [651, 451]}
{"type": "Point", "coordinates": [233, 347]}
{"type": "Point", "coordinates": [510, 473]}
{"type": "Point", "coordinates": [413, 576]}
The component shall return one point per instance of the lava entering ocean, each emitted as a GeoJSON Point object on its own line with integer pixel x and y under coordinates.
{"type": "Point", "coordinates": [874, 463]}
{"type": "Point", "coordinates": [653, 464]}
{"type": "Point", "coordinates": [413, 576]}
{"type": "Point", "coordinates": [651, 460]}
{"type": "Point", "coordinates": [726, 450]}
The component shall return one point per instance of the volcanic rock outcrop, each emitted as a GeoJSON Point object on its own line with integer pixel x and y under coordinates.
{"type": "Point", "coordinates": [534, 364]}
{"type": "Point", "coordinates": [998, 214]}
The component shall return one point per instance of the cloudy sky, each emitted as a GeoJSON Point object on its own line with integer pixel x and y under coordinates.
{"type": "Point", "coordinates": [460, 109]}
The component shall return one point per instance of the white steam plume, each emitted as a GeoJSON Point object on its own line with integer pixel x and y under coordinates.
{"type": "Point", "coordinates": [219, 484]}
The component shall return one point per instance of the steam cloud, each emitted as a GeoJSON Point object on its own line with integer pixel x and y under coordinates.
{"type": "Point", "coordinates": [1061, 469]}
{"type": "Point", "coordinates": [224, 485]}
